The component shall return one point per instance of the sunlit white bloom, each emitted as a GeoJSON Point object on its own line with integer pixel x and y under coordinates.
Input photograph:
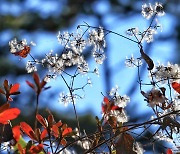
{"type": "Point", "coordinates": [5, 146]}
{"type": "Point", "coordinates": [137, 147]}
{"type": "Point", "coordinates": [162, 137]}
{"type": "Point", "coordinates": [63, 38]}
{"type": "Point", "coordinates": [158, 25]}
{"type": "Point", "coordinates": [96, 71]}
{"type": "Point", "coordinates": [83, 66]}
{"type": "Point", "coordinates": [122, 101]}
{"type": "Point", "coordinates": [64, 98]}
{"type": "Point", "coordinates": [132, 32]}
{"type": "Point", "coordinates": [96, 39]}
{"type": "Point", "coordinates": [89, 81]}
{"type": "Point", "coordinates": [99, 57]}
{"type": "Point", "coordinates": [49, 77]}
{"type": "Point", "coordinates": [158, 9]}
{"type": "Point", "coordinates": [67, 98]}
{"type": "Point", "coordinates": [31, 67]}
{"type": "Point", "coordinates": [85, 144]}
{"type": "Point", "coordinates": [67, 151]}
{"type": "Point", "coordinates": [78, 44]}
{"type": "Point", "coordinates": [114, 91]}
{"type": "Point", "coordinates": [147, 11]}
{"type": "Point", "coordinates": [121, 116]}
{"type": "Point", "coordinates": [148, 35]}
{"type": "Point", "coordinates": [170, 71]}
{"type": "Point", "coordinates": [176, 104]}
{"type": "Point", "coordinates": [154, 97]}
{"type": "Point", "coordinates": [16, 46]}
{"type": "Point", "coordinates": [32, 43]}
{"type": "Point", "coordinates": [133, 62]}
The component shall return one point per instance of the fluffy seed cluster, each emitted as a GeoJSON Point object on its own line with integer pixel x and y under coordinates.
{"type": "Point", "coordinates": [133, 62]}
{"type": "Point", "coordinates": [163, 73]}
{"type": "Point", "coordinates": [148, 10]}
{"type": "Point", "coordinates": [16, 46]}
{"type": "Point", "coordinates": [74, 45]}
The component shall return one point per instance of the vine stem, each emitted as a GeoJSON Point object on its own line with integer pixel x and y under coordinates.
{"type": "Point", "coordinates": [74, 107]}
{"type": "Point", "coordinates": [132, 126]}
{"type": "Point", "coordinates": [110, 31]}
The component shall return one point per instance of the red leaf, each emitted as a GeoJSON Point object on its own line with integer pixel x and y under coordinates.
{"type": "Point", "coordinates": [106, 100]}
{"type": "Point", "coordinates": [43, 134]}
{"type": "Point", "coordinates": [28, 130]}
{"type": "Point", "coordinates": [176, 87]}
{"type": "Point", "coordinates": [9, 114]}
{"type": "Point", "coordinates": [36, 149]}
{"type": "Point", "coordinates": [42, 120]}
{"type": "Point", "coordinates": [125, 144]}
{"type": "Point", "coordinates": [36, 79]}
{"type": "Point", "coordinates": [31, 85]}
{"type": "Point", "coordinates": [59, 124]}
{"type": "Point", "coordinates": [67, 131]}
{"type": "Point", "coordinates": [169, 151]}
{"type": "Point", "coordinates": [14, 88]}
{"type": "Point", "coordinates": [24, 52]}
{"type": "Point", "coordinates": [16, 132]}
{"type": "Point", "coordinates": [55, 130]}
{"type": "Point", "coordinates": [43, 83]}
{"type": "Point", "coordinates": [63, 142]}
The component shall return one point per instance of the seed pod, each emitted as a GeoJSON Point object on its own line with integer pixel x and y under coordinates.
{"type": "Point", "coordinates": [148, 60]}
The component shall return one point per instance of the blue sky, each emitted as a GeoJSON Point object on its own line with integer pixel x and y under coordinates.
{"type": "Point", "coordinates": [118, 49]}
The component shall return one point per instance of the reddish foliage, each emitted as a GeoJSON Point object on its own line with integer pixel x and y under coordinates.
{"type": "Point", "coordinates": [67, 131]}
{"type": "Point", "coordinates": [14, 88]}
{"type": "Point", "coordinates": [59, 124]}
{"type": "Point", "coordinates": [9, 114]}
{"type": "Point", "coordinates": [63, 142]}
{"type": "Point", "coordinates": [55, 130]}
{"type": "Point", "coordinates": [28, 130]}
{"type": "Point", "coordinates": [33, 149]}
{"type": "Point", "coordinates": [43, 134]}
{"type": "Point", "coordinates": [10, 90]}
{"type": "Point", "coordinates": [31, 85]}
{"type": "Point", "coordinates": [169, 151]}
{"type": "Point", "coordinates": [38, 85]}
{"type": "Point", "coordinates": [109, 105]}
{"type": "Point", "coordinates": [124, 144]}
{"type": "Point", "coordinates": [42, 120]}
{"type": "Point", "coordinates": [24, 52]}
{"type": "Point", "coordinates": [176, 87]}
{"type": "Point", "coordinates": [16, 132]}
{"type": "Point", "coordinates": [36, 149]}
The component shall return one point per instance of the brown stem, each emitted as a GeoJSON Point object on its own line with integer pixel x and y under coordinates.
{"type": "Point", "coordinates": [36, 111]}
{"type": "Point", "coordinates": [70, 91]}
